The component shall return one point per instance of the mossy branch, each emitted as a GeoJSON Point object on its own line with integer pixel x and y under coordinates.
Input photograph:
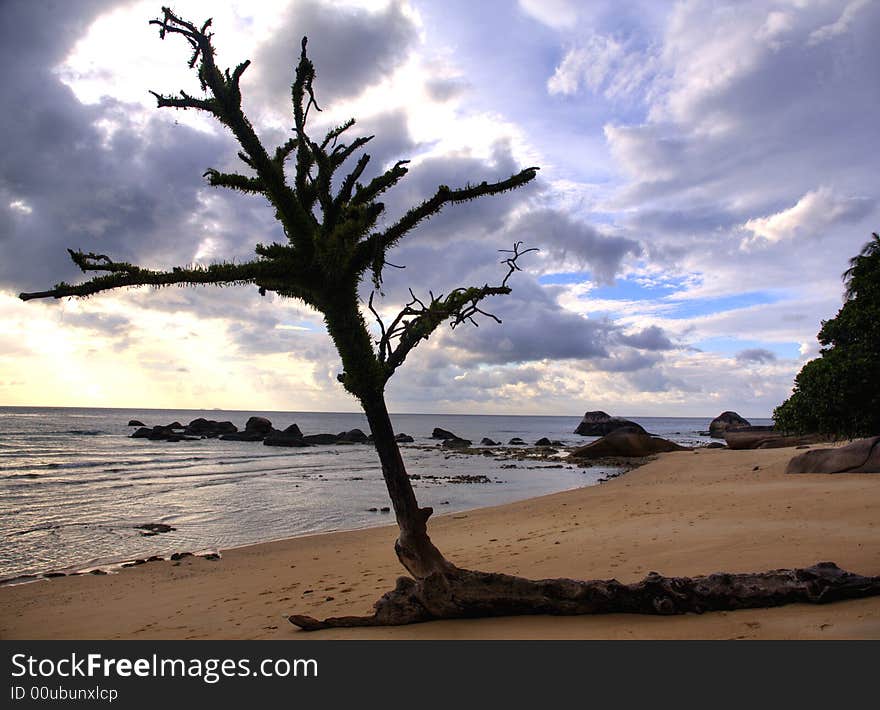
{"type": "Point", "coordinates": [122, 274]}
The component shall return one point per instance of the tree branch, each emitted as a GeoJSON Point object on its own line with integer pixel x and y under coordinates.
{"type": "Point", "coordinates": [418, 320]}
{"type": "Point", "coordinates": [122, 274]}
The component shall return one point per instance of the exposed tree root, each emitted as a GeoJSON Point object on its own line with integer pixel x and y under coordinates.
{"type": "Point", "coordinates": [465, 593]}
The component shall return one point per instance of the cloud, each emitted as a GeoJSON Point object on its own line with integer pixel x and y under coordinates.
{"type": "Point", "coordinates": [351, 49]}
{"type": "Point", "coordinates": [601, 64]}
{"type": "Point", "coordinates": [558, 14]}
{"type": "Point", "coordinates": [840, 26]}
{"type": "Point", "coordinates": [811, 216]}
{"type": "Point", "coordinates": [755, 355]}
{"type": "Point", "coordinates": [651, 338]}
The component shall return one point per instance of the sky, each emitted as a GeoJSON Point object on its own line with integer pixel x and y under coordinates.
{"type": "Point", "coordinates": [707, 169]}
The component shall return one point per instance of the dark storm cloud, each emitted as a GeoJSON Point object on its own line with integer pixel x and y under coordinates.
{"type": "Point", "coordinates": [351, 49]}
{"type": "Point", "coordinates": [651, 338]}
{"type": "Point", "coordinates": [755, 355]}
{"type": "Point", "coordinates": [563, 236]}
{"type": "Point", "coordinates": [65, 182]}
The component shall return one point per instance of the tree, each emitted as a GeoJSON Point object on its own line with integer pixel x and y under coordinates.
{"type": "Point", "coordinates": [838, 393]}
{"type": "Point", "coordinates": [332, 243]}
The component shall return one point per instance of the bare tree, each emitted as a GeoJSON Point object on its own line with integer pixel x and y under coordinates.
{"type": "Point", "coordinates": [332, 243]}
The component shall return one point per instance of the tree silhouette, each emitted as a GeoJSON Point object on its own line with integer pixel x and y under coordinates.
{"type": "Point", "coordinates": [332, 244]}
{"type": "Point", "coordinates": [838, 393]}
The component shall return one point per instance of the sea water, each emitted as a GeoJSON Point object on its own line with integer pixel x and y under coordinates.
{"type": "Point", "coordinates": [74, 485]}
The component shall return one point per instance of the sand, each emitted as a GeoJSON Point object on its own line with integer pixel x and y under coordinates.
{"type": "Point", "coordinates": [683, 514]}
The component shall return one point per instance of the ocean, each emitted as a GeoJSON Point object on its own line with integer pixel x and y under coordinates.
{"type": "Point", "coordinates": [73, 484]}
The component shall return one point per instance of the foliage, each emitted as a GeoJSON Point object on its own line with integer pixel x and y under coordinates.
{"type": "Point", "coordinates": [838, 393]}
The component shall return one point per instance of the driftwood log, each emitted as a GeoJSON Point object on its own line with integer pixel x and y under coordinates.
{"type": "Point", "coordinates": [466, 594]}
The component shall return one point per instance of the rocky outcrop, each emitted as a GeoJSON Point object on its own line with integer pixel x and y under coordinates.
{"type": "Point", "coordinates": [486, 441]}
{"type": "Point", "coordinates": [161, 433]}
{"type": "Point", "coordinates": [209, 429]}
{"type": "Point", "coordinates": [439, 433]}
{"type": "Point", "coordinates": [726, 421]}
{"type": "Point", "coordinates": [599, 424]}
{"type": "Point", "coordinates": [135, 422]}
{"type": "Point", "coordinates": [292, 436]}
{"type": "Point", "coordinates": [625, 444]}
{"type": "Point", "coordinates": [402, 439]}
{"type": "Point", "coordinates": [862, 456]}
{"type": "Point", "coordinates": [760, 437]}
{"type": "Point", "coordinates": [457, 443]}
{"type": "Point", "coordinates": [322, 439]}
{"type": "Point", "coordinates": [543, 441]}
{"type": "Point", "coordinates": [355, 436]}
{"type": "Point", "coordinates": [516, 441]}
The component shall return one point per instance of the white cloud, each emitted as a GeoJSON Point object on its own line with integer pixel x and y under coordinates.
{"type": "Point", "coordinates": [604, 65]}
{"type": "Point", "coordinates": [839, 26]}
{"type": "Point", "coordinates": [558, 14]}
{"type": "Point", "coordinates": [810, 217]}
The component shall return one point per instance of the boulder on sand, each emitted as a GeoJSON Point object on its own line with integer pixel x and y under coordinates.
{"type": "Point", "coordinates": [599, 424]}
{"type": "Point", "coordinates": [726, 421]}
{"type": "Point", "coordinates": [862, 456]}
{"type": "Point", "coordinates": [625, 443]}
{"type": "Point", "coordinates": [765, 437]}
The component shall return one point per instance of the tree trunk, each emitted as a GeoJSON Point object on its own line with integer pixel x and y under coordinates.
{"type": "Point", "coordinates": [365, 378]}
{"type": "Point", "coordinates": [465, 593]}
{"type": "Point", "coordinates": [414, 548]}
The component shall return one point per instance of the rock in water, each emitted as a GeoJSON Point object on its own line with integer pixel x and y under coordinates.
{"type": "Point", "coordinates": [625, 443]}
{"type": "Point", "coordinates": [599, 424]}
{"type": "Point", "coordinates": [456, 443]}
{"type": "Point", "coordinates": [726, 421]}
{"type": "Point", "coordinates": [209, 428]}
{"type": "Point", "coordinates": [401, 439]}
{"type": "Point", "coordinates": [439, 433]}
{"type": "Point", "coordinates": [355, 436]}
{"type": "Point", "coordinates": [135, 422]}
{"type": "Point", "coordinates": [862, 456]}
{"type": "Point", "coordinates": [543, 441]}
{"type": "Point", "coordinates": [489, 442]}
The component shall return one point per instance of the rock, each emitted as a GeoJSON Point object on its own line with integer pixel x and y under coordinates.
{"type": "Point", "coordinates": [180, 555]}
{"type": "Point", "coordinates": [543, 441]}
{"type": "Point", "coordinates": [291, 436]}
{"type": "Point", "coordinates": [320, 439]}
{"type": "Point", "coordinates": [212, 556]}
{"type": "Point", "coordinates": [599, 424]}
{"type": "Point", "coordinates": [386, 509]}
{"type": "Point", "coordinates": [293, 430]}
{"type": "Point", "coordinates": [861, 456]}
{"type": "Point", "coordinates": [715, 445]}
{"type": "Point", "coordinates": [142, 433]}
{"type": "Point", "coordinates": [243, 436]}
{"type": "Point", "coordinates": [258, 425]}
{"type": "Point", "coordinates": [176, 425]}
{"type": "Point", "coordinates": [210, 429]}
{"type": "Point", "coordinates": [766, 438]}
{"type": "Point", "coordinates": [516, 441]}
{"type": "Point", "coordinates": [400, 439]}
{"type": "Point", "coordinates": [488, 442]}
{"type": "Point", "coordinates": [439, 433]}
{"type": "Point", "coordinates": [629, 443]}
{"type": "Point", "coordinates": [160, 433]}
{"type": "Point", "coordinates": [456, 443]}
{"type": "Point", "coordinates": [355, 436]}
{"type": "Point", "coordinates": [150, 529]}
{"type": "Point", "coordinates": [135, 422]}
{"type": "Point", "coordinates": [556, 442]}
{"type": "Point", "coordinates": [726, 421]}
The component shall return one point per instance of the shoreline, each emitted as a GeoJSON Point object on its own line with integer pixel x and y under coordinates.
{"type": "Point", "coordinates": [683, 514]}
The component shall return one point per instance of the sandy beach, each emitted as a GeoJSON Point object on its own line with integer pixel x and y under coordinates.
{"type": "Point", "coordinates": [686, 513]}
